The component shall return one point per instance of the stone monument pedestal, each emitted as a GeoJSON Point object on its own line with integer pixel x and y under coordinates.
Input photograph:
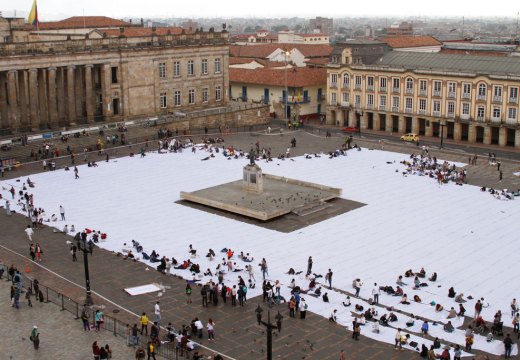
{"type": "Point", "coordinates": [253, 180]}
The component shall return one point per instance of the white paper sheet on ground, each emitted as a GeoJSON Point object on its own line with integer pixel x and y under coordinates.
{"type": "Point", "coordinates": [143, 289]}
{"type": "Point", "coordinates": [466, 236]}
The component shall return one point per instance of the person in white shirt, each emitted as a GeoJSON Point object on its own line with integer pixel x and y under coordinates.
{"type": "Point", "coordinates": [375, 293]}
{"type": "Point", "coordinates": [199, 326]}
{"type": "Point", "coordinates": [29, 232]}
{"type": "Point", "coordinates": [157, 312]}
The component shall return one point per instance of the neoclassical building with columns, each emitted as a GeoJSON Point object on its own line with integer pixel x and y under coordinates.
{"type": "Point", "coordinates": [51, 84]}
{"type": "Point", "coordinates": [465, 97]}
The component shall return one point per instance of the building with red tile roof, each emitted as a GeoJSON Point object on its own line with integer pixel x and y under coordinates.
{"type": "Point", "coordinates": [81, 22]}
{"type": "Point", "coordinates": [412, 43]}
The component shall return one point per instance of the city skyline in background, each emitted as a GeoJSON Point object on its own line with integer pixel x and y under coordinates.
{"type": "Point", "coordinates": [49, 10]}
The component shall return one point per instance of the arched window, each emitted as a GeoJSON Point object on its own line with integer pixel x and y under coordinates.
{"type": "Point", "coordinates": [409, 84]}
{"type": "Point", "coordinates": [482, 91]}
{"type": "Point", "coordinates": [346, 80]}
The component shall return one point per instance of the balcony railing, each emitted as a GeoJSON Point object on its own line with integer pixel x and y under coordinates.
{"type": "Point", "coordinates": [480, 118]}
{"type": "Point", "coordinates": [334, 85]}
{"type": "Point", "coordinates": [321, 97]}
{"type": "Point", "coordinates": [436, 113]}
{"type": "Point", "coordinates": [451, 94]}
{"type": "Point", "coordinates": [436, 93]}
{"type": "Point", "coordinates": [497, 99]}
{"type": "Point", "coordinates": [395, 108]}
{"type": "Point", "coordinates": [423, 92]}
{"type": "Point", "coordinates": [408, 110]}
{"type": "Point", "coordinates": [511, 121]}
{"type": "Point", "coordinates": [450, 115]}
{"type": "Point", "coordinates": [464, 116]}
{"type": "Point", "coordinates": [481, 97]}
{"type": "Point", "coordinates": [357, 105]}
{"type": "Point", "coordinates": [382, 107]}
{"type": "Point", "coordinates": [333, 102]}
{"type": "Point", "coordinates": [396, 90]}
{"type": "Point", "coordinates": [382, 89]}
{"type": "Point", "coordinates": [409, 91]}
{"type": "Point", "coordinates": [370, 106]}
{"type": "Point", "coordinates": [513, 100]}
{"type": "Point", "coordinates": [346, 86]}
{"type": "Point", "coordinates": [370, 87]}
{"type": "Point", "coordinates": [345, 103]}
{"type": "Point", "coordinates": [357, 87]}
{"type": "Point", "coordinates": [265, 99]}
{"type": "Point", "coordinates": [422, 112]}
{"type": "Point", "coordinates": [496, 120]}
{"type": "Point", "coordinates": [466, 96]}
{"type": "Point", "coordinates": [295, 100]}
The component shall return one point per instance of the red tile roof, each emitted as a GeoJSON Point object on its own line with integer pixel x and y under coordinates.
{"type": "Point", "coordinates": [79, 22]}
{"type": "Point", "coordinates": [410, 41]}
{"type": "Point", "coordinates": [296, 77]}
{"type": "Point", "coordinates": [264, 50]}
{"type": "Point", "coordinates": [140, 31]}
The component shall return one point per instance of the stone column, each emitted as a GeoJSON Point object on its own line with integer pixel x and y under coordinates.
{"type": "Point", "coordinates": [23, 97]}
{"type": "Point", "coordinates": [389, 123]}
{"type": "Point", "coordinates": [33, 99]}
{"type": "Point", "coordinates": [51, 97]}
{"type": "Point", "coordinates": [402, 124]}
{"type": "Point", "coordinates": [376, 122]}
{"type": "Point", "coordinates": [351, 118]}
{"type": "Point", "coordinates": [415, 125]}
{"type": "Point", "coordinates": [14, 114]}
{"type": "Point", "coordinates": [4, 111]}
{"type": "Point", "coordinates": [364, 121]}
{"type": "Point", "coordinates": [472, 133]}
{"type": "Point", "coordinates": [457, 131]}
{"type": "Point", "coordinates": [502, 136]}
{"type": "Point", "coordinates": [428, 130]}
{"type": "Point", "coordinates": [89, 93]}
{"type": "Point", "coordinates": [42, 98]}
{"type": "Point", "coordinates": [487, 135]}
{"type": "Point", "coordinates": [517, 138]}
{"type": "Point", "coordinates": [79, 95]}
{"type": "Point", "coordinates": [339, 117]}
{"type": "Point", "coordinates": [71, 101]}
{"type": "Point", "coordinates": [106, 82]}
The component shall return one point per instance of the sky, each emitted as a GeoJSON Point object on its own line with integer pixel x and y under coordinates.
{"type": "Point", "coordinates": [56, 9]}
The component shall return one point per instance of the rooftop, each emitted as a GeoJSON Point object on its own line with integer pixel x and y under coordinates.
{"type": "Point", "coordinates": [296, 77]}
{"type": "Point", "coordinates": [80, 22]}
{"type": "Point", "coordinates": [397, 42]}
{"type": "Point", "coordinates": [144, 31]}
{"type": "Point", "coordinates": [264, 50]}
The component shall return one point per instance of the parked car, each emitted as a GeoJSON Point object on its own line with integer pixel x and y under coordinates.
{"type": "Point", "coordinates": [410, 137]}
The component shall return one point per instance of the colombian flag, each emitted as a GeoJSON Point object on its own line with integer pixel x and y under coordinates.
{"type": "Point", "coordinates": [33, 15]}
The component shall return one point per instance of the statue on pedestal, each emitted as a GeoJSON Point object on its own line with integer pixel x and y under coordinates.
{"type": "Point", "coordinates": [252, 156]}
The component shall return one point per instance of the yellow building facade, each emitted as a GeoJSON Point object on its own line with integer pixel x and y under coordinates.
{"type": "Point", "coordinates": [464, 97]}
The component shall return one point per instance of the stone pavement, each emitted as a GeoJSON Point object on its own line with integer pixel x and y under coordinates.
{"type": "Point", "coordinates": [61, 337]}
{"type": "Point", "coordinates": [237, 334]}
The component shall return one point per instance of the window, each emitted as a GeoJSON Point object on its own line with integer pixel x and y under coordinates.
{"type": "Point", "coordinates": [176, 68]}
{"type": "Point", "coordinates": [346, 97]}
{"type": "Point", "coordinates": [396, 84]}
{"type": "Point", "coordinates": [513, 94]}
{"type": "Point", "coordinates": [370, 100]}
{"type": "Point", "coordinates": [191, 68]}
{"type": "Point", "coordinates": [177, 98]}
{"type": "Point", "coordinates": [480, 112]}
{"type": "Point", "coordinates": [333, 80]}
{"type": "Point", "coordinates": [482, 92]}
{"type": "Point", "coordinates": [333, 99]}
{"type": "Point", "coordinates": [358, 100]}
{"type": "Point", "coordinates": [357, 80]}
{"type": "Point", "coordinates": [382, 84]}
{"type": "Point", "coordinates": [346, 80]}
{"type": "Point", "coordinates": [423, 85]}
{"type": "Point", "coordinates": [409, 103]}
{"type": "Point", "coordinates": [162, 70]}
{"type": "Point", "coordinates": [452, 87]}
{"type": "Point", "coordinates": [466, 89]}
{"type": "Point", "coordinates": [191, 96]}
{"type": "Point", "coordinates": [497, 91]}
{"type": "Point", "coordinates": [409, 84]}
{"type": "Point", "coordinates": [205, 95]}
{"type": "Point", "coordinates": [422, 105]}
{"type": "Point", "coordinates": [382, 100]}
{"type": "Point", "coordinates": [465, 109]}
{"type": "Point", "coordinates": [162, 100]}
{"type": "Point", "coordinates": [395, 103]}
{"type": "Point", "coordinates": [370, 83]}
{"type": "Point", "coordinates": [511, 113]}
{"type": "Point", "coordinates": [496, 112]}
{"type": "Point", "coordinates": [114, 74]}
{"type": "Point", "coordinates": [436, 107]}
{"type": "Point", "coordinates": [204, 66]}
{"type": "Point", "coordinates": [217, 66]}
{"type": "Point", "coordinates": [451, 108]}
{"type": "Point", "coordinates": [218, 93]}
{"type": "Point", "coordinates": [437, 87]}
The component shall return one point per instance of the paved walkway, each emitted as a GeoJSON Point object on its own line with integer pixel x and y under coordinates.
{"type": "Point", "coordinates": [61, 337]}
{"type": "Point", "coordinates": [237, 334]}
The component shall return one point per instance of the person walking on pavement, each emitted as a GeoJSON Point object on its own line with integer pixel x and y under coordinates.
{"type": "Point", "coordinates": [151, 350]}
{"type": "Point", "coordinates": [157, 311]}
{"type": "Point", "coordinates": [32, 252]}
{"type": "Point", "coordinates": [375, 293]}
{"type": "Point", "coordinates": [76, 171]}
{"type": "Point", "coordinates": [144, 323]}
{"type": "Point", "coordinates": [85, 318]}
{"type": "Point", "coordinates": [73, 250]}
{"type": "Point", "coordinates": [62, 213]}
{"type": "Point", "coordinates": [309, 266]}
{"type": "Point", "coordinates": [7, 208]}
{"type": "Point", "coordinates": [35, 337]}
{"type": "Point", "coordinates": [30, 232]}
{"type": "Point", "coordinates": [508, 344]}
{"type": "Point", "coordinates": [39, 252]}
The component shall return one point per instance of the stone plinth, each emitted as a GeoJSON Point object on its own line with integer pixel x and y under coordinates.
{"type": "Point", "coordinates": [253, 180]}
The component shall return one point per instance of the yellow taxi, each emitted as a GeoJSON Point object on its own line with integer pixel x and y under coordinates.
{"type": "Point", "coordinates": [410, 137]}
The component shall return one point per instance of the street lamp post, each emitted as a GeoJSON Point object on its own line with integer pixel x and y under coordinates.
{"type": "Point", "coordinates": [82, 246]}
{"type": "Point", "coordinates": [270, 327]}
{"type": "Point", "coordinates": [442, 124]}
{"type": "Point", "coordinates": [286, 53]}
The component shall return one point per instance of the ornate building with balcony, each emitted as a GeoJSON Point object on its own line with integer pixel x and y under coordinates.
{"type": "Point", "coordinates": [51, 84]}
{"type": "Point", "coordinates": [475, 97]}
